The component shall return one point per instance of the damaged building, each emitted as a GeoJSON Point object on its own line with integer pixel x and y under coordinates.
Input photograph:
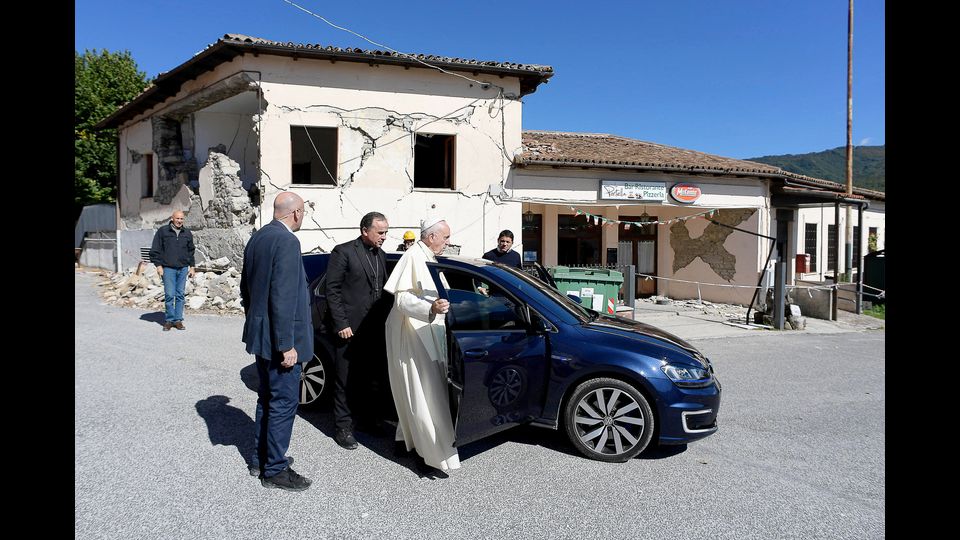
{"type": "Point", "coordinates": [350, 131]}
{"type": "Point", "coordinates": [353, 131]}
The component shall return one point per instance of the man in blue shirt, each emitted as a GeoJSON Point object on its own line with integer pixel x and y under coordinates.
{"type": "Point", "coordinates": [502, 253]}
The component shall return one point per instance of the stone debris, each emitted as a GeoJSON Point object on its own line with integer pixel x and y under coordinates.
{"type": "Point", "coordinates": [727, 311]}
{"type": "Point", "coordinates": [216, 289]}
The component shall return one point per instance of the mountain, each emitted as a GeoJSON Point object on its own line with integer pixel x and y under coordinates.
{"type": "Point", "coordinates": [869, 165]}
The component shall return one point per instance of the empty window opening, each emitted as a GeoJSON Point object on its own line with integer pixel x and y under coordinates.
{"type": "Point", "coordinates": [147, 176]}
{"type": "Point", "coordinates": [433, 161]}
{"type": "Point", "coordinates": [313, 155]}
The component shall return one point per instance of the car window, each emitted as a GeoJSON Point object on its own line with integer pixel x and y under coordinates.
{"type": "Point", "coordinates": [478, 305]}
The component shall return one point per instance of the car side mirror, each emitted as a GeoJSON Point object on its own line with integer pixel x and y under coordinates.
{"type": "Point", "coordinates": [541, 326]}
{"type": "Point", "coordinates": [573, 297]}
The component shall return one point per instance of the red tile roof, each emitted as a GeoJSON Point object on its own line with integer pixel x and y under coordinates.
{"type": "Point", "coordinates": [600, 150]}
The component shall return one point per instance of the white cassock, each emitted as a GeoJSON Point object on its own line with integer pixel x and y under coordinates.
{"type": "Point", "coordinates": [417, 361]}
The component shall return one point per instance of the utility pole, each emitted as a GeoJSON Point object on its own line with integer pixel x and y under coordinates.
{"type": "Point", "coordinates": [848, 237]}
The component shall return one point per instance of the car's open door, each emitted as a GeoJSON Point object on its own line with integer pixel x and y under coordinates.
{"type": "Point", "coordinates": [497, 365]}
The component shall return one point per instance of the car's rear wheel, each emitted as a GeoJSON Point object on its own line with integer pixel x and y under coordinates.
{"type": "Point", "coordinates": [315, 383]}
{"type": "Point", "coordinates": [608, 420]}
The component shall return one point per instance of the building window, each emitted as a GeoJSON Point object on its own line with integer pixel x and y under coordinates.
{"type": "Point", "coordinates": [147, 176]}
{"type": "Point", "coordinates": [831, 253]}
{"type": "Point", "coordinates": [810, 244]}
{"type": "Point", "coordinates": [532, 237]}
{"type": "Point", "coordinates": [433, 161]}
{"type": "Point", "coordinates": [313, 155]}
{"type": "Point", "coordinates": [856, 247]}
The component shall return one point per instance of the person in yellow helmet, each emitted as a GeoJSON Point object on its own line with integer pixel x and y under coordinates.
{"type": "Point", "coordinates": [408, 239]}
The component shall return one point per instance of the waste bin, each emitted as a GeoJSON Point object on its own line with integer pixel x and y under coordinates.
{"type": "Point", "coordinates": [597, 287]}
{"type": "Point", "coordinates": [874, 277]}
{"type": "Point", "coordinates": [803, 263]}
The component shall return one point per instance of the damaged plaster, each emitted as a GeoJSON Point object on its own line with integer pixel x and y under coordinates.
{"type": "Point", "coordinates": [378, 127]}
{"type": "Point", "coordinates": [709, 245]}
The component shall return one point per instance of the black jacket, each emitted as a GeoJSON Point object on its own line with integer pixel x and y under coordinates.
{"type": "Point", "coordinates": [171, 250]}
{"type": "Point", "coordinates": [352, 286]}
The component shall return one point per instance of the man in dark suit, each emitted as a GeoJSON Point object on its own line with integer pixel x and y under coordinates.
{"type": "Point", "coordinates": [354, 284]}
{"type": "Point", "coordinates": [279, 331]}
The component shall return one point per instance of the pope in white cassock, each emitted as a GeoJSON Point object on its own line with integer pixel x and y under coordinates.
{"type": "Point", "coordinates": [417, 351]}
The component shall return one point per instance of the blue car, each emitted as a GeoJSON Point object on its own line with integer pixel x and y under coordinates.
{"type": "Point", "coordinates": [520, 352]}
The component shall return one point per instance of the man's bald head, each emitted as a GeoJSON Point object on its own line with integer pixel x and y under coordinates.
{"type": "Point", "coordinates": [177, 218]}
{"type": "Point", "coordinates": [285, 208]}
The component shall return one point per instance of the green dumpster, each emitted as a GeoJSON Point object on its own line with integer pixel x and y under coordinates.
{"type": "Point", "coordinates": [598, 288]}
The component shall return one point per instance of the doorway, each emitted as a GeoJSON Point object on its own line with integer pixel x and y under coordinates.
{"type": "Point", "coordinates": [638, 246]}
{"type": "Point", "coordinates": [578, 241]}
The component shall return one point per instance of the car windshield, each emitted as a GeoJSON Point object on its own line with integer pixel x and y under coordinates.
{"type": "Point", "coordinates": [574, 308]}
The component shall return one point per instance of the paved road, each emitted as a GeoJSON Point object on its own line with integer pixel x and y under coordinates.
{"type": "Point", "coordinates": [163, 421]}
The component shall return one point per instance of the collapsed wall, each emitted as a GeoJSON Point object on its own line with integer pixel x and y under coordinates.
{"type": "Point", "coordinates": [221, 215]}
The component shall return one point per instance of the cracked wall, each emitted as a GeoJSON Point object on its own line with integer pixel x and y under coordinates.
{"type": "Point", "coordinates": [376, 117]}
{"type": "Point", "coordinates": [376, 109]}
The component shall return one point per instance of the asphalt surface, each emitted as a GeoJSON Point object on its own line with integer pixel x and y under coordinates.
{"type": "Point", "coordinates": [163, 424]}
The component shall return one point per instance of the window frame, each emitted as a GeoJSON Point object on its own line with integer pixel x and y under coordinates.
{"type": "Point", "coordinates": [449, 157]}
{"type": "Point", "coordinates": [303, 131]}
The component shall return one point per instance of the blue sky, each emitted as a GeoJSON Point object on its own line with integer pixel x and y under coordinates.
{"type": "Point", "coordinates": [737, 78]}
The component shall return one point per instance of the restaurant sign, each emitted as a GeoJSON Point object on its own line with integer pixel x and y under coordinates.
{"type": "Point", "coordinates": [685, 193]}
{"type": "Point", "coordinates": [633, 191]}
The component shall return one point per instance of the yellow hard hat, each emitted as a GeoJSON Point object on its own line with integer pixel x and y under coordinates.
{"type": "Point", "coordinates": [409, 235]}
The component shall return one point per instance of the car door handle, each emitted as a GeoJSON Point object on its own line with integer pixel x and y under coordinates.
{"type": "Point", "coordinates": [475, 353]}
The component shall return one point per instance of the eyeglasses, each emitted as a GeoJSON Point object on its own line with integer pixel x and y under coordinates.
{"type": "Point", "coordinates": [301, 210]}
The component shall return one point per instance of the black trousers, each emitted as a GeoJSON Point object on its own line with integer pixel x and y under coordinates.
{"type": "Point", "coordinates": [361, 387]}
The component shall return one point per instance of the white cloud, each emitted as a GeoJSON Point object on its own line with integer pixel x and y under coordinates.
{"type": "Point", "coordinates": [864, 142]}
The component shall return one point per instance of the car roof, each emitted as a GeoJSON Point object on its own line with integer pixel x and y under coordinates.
{"type": "Point", "coordinates": [315, 264]}
{"type": "Point", "coordinates": [456, 259]}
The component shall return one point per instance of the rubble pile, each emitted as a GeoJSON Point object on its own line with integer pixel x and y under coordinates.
{"type": "Point", "coordinates": [792, 315]}
{"type": "Point", "coordinates": [214, 287]}
{"type": "Point", "coordinates": [727, 311]}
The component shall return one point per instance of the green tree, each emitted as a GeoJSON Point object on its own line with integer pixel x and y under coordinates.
{"type": "Point", "coordinates": [103, 82]}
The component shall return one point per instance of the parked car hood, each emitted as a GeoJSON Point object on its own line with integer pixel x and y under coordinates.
{"type": "Point", "coordinates": [630, 329]}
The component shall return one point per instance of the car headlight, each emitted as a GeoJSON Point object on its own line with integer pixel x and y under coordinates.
{"type": "Point", "coordinates": [686, 376]}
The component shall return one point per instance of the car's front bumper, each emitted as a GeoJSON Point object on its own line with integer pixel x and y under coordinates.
{"type": "Point", "coordinates": [687, 414]}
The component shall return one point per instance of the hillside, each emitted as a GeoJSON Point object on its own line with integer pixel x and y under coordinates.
{"type": "Point", "coordinates": [869, 165]}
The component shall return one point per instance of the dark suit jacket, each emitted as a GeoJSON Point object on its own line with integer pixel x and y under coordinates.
{"type": "Point", "coordinates": [273, 287]}
{"type": "Point", "coordinates": [352, 286]}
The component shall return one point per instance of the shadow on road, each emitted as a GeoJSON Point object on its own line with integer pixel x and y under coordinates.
{"type": "Point", "coordinates": [555, 440]}
{"type": "Point", "coordinates": [227, 425]}
{"type": "Point", "coordinates": [154, 317]}
{"type": "Point", "coordinates": [250, 377]}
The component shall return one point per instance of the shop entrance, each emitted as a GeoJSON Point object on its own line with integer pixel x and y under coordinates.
{"type": "Point", "coordinates": [638, 246]}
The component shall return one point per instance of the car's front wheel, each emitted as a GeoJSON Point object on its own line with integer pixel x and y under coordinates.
{"type": "Point", "coordinates": [315, 384]}
{"type": "Point", "coordinates": [608, 420]}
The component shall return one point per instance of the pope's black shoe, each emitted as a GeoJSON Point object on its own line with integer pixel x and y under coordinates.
{"type": "Point", "coordinates": [344, 438]}
{"type": "Point", "coordinates": [287, 479]}
{"type": "Point", "coordinates": [255, 469]}
{"type": "Point", "coordinates": [428, 471]}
